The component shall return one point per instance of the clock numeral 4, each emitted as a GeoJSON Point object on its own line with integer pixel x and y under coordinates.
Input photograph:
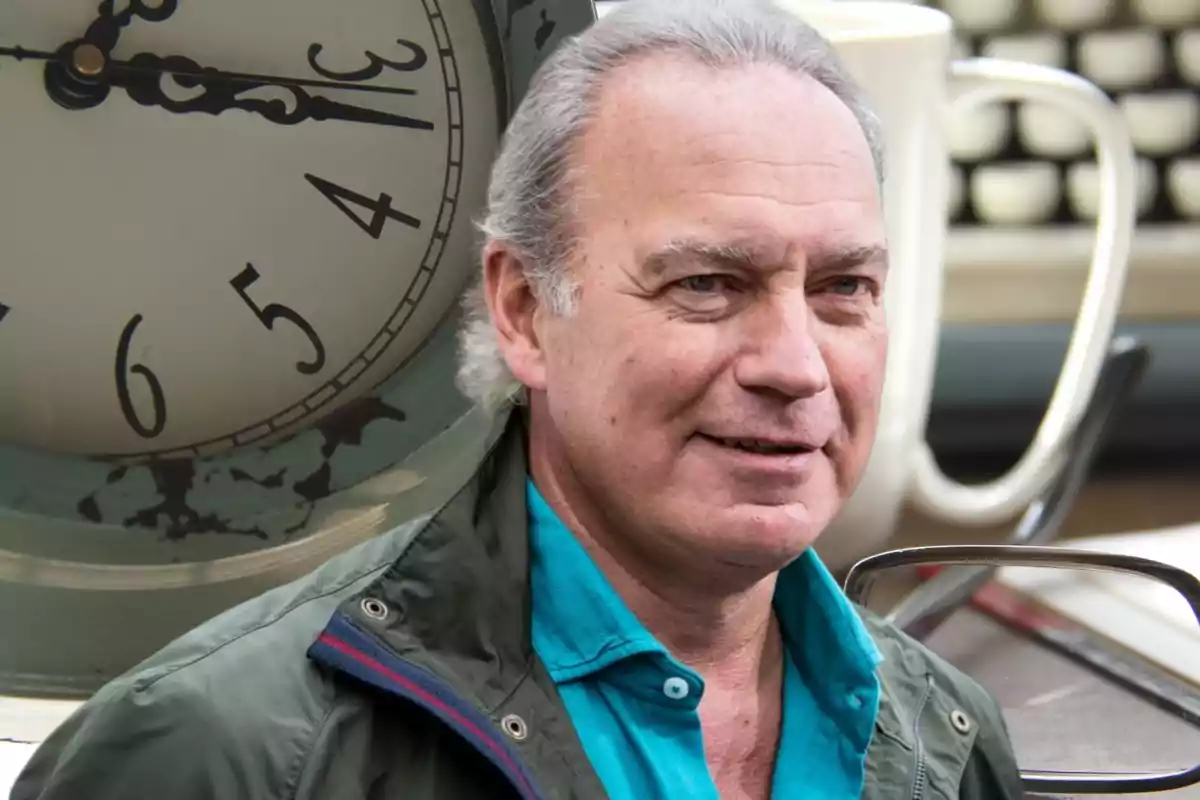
{"type": "Point", "coordinates": [158, 401]}
{"type": "Point", "coordinates": [271, 313]}
{"type": "Point", "coordinates": [381, 207]}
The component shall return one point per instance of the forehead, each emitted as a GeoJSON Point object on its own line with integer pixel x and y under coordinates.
{"type": "Point", "coordinates": [677, 149]}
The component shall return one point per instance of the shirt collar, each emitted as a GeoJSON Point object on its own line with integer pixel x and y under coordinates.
{"type": "Point", "coordinates": [826, 638]}
{"type": "Point", "coordinates": [581, 626]}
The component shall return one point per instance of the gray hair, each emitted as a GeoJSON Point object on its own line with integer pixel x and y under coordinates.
{"type": "Point", "coordinates": [529, 201]}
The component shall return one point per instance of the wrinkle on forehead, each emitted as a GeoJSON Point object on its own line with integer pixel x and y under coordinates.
{"type": "Point", "coordinates": [694, 104]}
{"type": "Point", "coordinates": [678, 150]}
{"type": "Point", "coordinates": [797, 202]}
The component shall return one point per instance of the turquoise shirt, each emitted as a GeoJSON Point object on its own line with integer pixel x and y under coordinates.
{"type": "Point", "coordinates": [635, 706]}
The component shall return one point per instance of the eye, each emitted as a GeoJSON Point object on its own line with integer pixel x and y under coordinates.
{"type": "Point", "coordinates": [703, 284]}
{"type": "Point", "coordinates": [848, 285]}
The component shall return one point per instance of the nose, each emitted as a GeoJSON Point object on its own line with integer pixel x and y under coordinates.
{"type": "Point", "coordinates": [781, 355]}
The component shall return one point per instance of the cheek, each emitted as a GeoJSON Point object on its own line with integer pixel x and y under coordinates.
{"type": "Point", "coordinates": [594, 365]}
{"type": "Point", "coordinates": [875, 366]}
{"type": "Point", "coordinates": [857, 366]}
{"type": "Point", "coordinates": [675, 366]}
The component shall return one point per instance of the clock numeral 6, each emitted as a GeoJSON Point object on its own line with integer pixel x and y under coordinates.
{"type": "Point", "coordinates": [382, 207]}
{"type": "Point", "coordinates": [377, 65]}
{"type": "Point", "coordinates": [269, 314]}
{"type": "Point", "coordinates": [159, 403]}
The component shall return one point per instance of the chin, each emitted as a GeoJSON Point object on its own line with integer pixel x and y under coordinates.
{"type": "Point", "coordinates": [761, 535]}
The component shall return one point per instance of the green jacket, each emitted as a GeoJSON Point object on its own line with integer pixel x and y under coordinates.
{"type": "Point", "coordinates": [402, 670]}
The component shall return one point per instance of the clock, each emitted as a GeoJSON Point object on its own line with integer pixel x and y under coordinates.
{"type": "Point", "coordinates": [234, 234]}
{"type": "Point", "coordinates": [224, 220]}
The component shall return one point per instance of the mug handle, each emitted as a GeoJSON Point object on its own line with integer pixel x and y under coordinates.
{"type": "Point", "coordinates": [976, 81]}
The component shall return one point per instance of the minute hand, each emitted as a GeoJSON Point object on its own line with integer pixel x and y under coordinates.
{"type": "Point", "coordinates": [141, 78]}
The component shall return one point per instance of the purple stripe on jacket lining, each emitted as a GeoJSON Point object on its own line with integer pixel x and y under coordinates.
{"type": "Point", "coordinates": [332, 647]}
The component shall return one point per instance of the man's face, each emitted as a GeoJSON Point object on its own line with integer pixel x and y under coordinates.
{"type": "Point", "coordinates": [716, 390]}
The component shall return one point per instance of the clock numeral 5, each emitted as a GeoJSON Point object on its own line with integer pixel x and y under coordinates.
{"type": "Point", "coordinates": [382, 207]}
{"type": "Point", "coordinates": [159, 403]}
{"type": "Point", "coordinates": [269, 314]}
{"type": "Point", "coordinates": [377, 64]}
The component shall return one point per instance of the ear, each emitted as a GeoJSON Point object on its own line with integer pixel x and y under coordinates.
{"type": "Point", "coordinates": [514, 307]}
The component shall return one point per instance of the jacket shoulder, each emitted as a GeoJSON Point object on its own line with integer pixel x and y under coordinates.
{"type": "Point", "coordinates": [230, 709]}
{"type": "Point", "coordinates": [904, 654]}
{"type": "Point", "coordinates": [990, 770]}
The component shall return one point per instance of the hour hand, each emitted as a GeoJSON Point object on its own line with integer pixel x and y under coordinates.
{"type": "Point", "coordinates": [141, 78]}
{"type": "Point", "coordinates": [84, 77]}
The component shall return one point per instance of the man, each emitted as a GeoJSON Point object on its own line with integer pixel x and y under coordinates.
{"type": "Point", "coordinates": [683, 281]}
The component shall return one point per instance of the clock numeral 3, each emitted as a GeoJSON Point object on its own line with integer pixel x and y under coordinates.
{"type": "Point", "coordinates": [153, 11]}
{"type": "Point", "coordinates": [269, 314]}
{"type": "Point", "coordinates": [123, 369]}
{"type": "Point", "coordinates": [377, 64]}
{"type": "Point", "coordinates": [4, 311]}
{"type": "Point", "coordinates": [382, 207]}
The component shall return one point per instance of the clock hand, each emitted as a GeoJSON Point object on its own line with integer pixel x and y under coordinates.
{"type": "Point", "coordinates": [105, 30]}
{"type": "Point", "coordinates": [80, 76]}
{"type": "Point", "coordinates": [141, 78]}
{"type": "Point", "coordinates": [87, 62]}
{"type": "Point", "coordinates": [190, 74]}
{"type": "Point", "coordinates": [21, 53]}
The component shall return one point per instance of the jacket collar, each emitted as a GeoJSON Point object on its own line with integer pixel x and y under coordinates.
{"type": "Point", "coordinates": [446, 627]}
{"type": "Point", "coordinates": [460, 591]}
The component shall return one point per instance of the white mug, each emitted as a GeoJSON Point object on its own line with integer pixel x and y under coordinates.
{"type": "Point", "coordinates": [901, 56]}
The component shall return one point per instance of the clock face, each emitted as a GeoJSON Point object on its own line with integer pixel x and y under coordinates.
{"type": "Point", "coordinates": [194, 263]}
{"type": "Point", "coordinates": [183, 271]}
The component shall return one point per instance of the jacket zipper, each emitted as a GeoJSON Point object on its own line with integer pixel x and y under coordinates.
{"type": "Point", "coordinates": [921, 768]}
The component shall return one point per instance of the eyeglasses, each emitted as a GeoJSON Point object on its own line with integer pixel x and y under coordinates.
{"type": "Point", "coordinates": [1121, 631]}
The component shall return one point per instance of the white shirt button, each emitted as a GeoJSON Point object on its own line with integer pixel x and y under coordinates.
{"type": "Point", "coordinates": [675, 688]}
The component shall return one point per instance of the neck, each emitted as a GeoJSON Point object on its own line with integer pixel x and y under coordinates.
{"type": "Point", "coordinates": [720, 625]}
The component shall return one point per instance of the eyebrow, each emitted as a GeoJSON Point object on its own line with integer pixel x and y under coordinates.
{"type": "Point", "coordinates": [839, 258]}
{"type": "Point", "coordinates": [688, 251]}
{"type": "Point", "coordinates": [739, 255]}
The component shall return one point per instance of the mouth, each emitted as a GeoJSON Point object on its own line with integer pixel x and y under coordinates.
{"type": "Point", "coordinates": [765, 447]}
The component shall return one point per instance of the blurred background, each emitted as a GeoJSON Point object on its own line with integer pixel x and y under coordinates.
{"type": "Point", "coordinates": [1023, 190]}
